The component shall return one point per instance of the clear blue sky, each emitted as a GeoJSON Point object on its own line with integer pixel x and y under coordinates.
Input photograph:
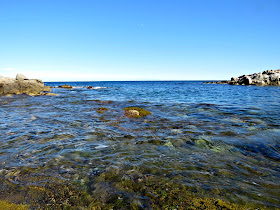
{"type": "Point", "coordinates": [77, 40]}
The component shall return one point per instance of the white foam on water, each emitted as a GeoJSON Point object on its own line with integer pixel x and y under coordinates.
{"type": "Point", "coordinates": [96, 88]}
{"type": "Point", "coordinates": [101, 146]}
{"type": "Point", "coordinates": [77, 87]}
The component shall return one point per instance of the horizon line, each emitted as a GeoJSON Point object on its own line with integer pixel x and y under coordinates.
{"type": "Point", "coordinates": [139, 81]}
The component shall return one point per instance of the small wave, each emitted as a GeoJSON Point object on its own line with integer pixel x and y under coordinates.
{"type": "Point", "coordinates": [77, 87]}
{"type": "Point", "coordinates": [101, 146]}
{"type": "Point", "coordinates": [88, 87]}
{"type": "Point", "coordinates": [96, 88]}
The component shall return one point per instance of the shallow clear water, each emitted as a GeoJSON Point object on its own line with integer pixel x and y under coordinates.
{"type": "Point", "coordinates": [220, 139]}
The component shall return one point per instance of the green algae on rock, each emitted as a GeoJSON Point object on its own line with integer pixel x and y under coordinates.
{"type": "Point", "coordinates": [47, 196]}
{"type": "Point", "coordinates": [133, 190]}
{"type": "Point", "coordinates": [136, 112]}
{"type": "Point", "coordinates": [102, 102]}
{"type": "Point", "coordinates": [11, 206]}
{"type": "Point", "coordinates": [101, 110]}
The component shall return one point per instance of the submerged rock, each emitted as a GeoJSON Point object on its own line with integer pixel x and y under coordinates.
{"type": "Point", "coordinates": [268, 77]}
{"type": "Point", "coordinates": [136, 112]}
{"type": "Point", "coordinates": [22, 85]}
{"type": "Point", "coordinates": [101, 102]}
{"type": "Point", "coordinates": [51, 94]}
{"type": "Point", "coordinates": [101, 110]}
{"type": "Point", "coordinates": [219, 82]}
{"type": "Point", "coordinates": [133, 113]}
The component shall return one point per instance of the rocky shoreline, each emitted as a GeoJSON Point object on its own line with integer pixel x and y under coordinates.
{"type": "Point", "coordinates": [23, 85]}
{"type": "Point", "coordinates": [265, 78]}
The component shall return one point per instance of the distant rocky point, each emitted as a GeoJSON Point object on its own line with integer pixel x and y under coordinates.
{"type": "Point", "coordinates": [22, 85]}
{"type": "Point", "coordinates": [268, 77]}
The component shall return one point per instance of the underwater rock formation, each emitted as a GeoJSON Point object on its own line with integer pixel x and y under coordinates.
{"type": "Point", "coordinates": [136, 112]}
{"type": "Point", "coordinates": [22, 85]}
{"type": "Point", "coordinates": [101, 110]}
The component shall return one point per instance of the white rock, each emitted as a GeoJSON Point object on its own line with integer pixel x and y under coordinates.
{"type": "Point", "coordinates": [21, 77]}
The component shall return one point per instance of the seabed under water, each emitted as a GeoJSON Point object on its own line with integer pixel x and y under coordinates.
{"type": "Point", "coordinates": [197, 149]}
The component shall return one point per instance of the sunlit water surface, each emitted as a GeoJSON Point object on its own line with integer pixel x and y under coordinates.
{"type": "Point", "coordinates": [210, 138]}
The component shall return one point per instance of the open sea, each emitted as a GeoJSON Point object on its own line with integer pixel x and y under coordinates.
{"type": "Point", "coordinates": [204, 145]}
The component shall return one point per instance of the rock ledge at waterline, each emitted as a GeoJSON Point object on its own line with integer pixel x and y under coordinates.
{"type": "Point", "coordinates": [268, 77]}
{"type": "Point", "coordinates": [23, 85]}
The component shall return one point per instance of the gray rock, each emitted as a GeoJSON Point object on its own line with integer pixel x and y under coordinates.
{"type": "Point", "coordinates": [22, 85]}
{"type": "Point", "coordinates": [245, 80]}
{"type": "Point", "coordinates": [268, 77]}
{"type": "Point", "coordinates": [21, 77]}
{"type": "Point", "coordinates": [6, 79]}
{"type": "Point", "coordinates": [234, 79]}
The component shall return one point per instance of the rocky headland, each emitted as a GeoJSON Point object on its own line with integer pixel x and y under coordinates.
{"type": "Point", "coordinates": [23, 85]}
{"type": "Point", "coordinates": [268, 77]}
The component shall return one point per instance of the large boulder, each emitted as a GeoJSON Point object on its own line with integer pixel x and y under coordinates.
{"type": "Point", "coordinates": [22, 85]}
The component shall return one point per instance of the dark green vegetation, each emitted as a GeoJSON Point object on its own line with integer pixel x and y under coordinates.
{"type": "Point", "coordinates": [114, 190]}
{"type": "Point", "coordinates": [36, 191]}
{"type": "Point", "coordinates": [110, 189]}
{"type": "Point", "coordinates": [11, 206]}
{"type": "Point", "coordinates": [101, 102]}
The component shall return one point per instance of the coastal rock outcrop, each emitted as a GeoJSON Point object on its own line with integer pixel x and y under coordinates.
{"type": "Point", "coordinates": [268, 77]}
{"type": "Point", "coordinates": [22, 85]}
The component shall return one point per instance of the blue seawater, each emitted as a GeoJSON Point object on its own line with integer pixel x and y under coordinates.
{"type": "Point", "coordinates": [208, 137]}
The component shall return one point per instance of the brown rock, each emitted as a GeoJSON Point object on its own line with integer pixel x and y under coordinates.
{"type": "Point", "coordinates": [51, 94]}
{"type": "Point", "coordinates": [22, 85]}
{"type": "Point", "coordinates": [65, 86]}
{"type": "Point", "coordinates": [47, 89]}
